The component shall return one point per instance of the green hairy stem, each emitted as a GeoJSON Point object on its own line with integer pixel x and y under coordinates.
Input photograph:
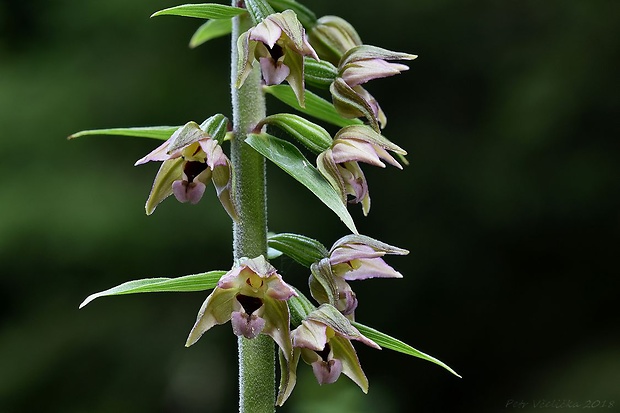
{"type": "Point", "coordinates": [256, 356]}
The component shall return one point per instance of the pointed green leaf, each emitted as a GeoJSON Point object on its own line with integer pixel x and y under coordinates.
{"type": "Point", "coordinates": [212, 29]}
{"type": "Point", "coordinates": [154, 132]}
{"type": "Point", "coordinates": [194, 282]}
{"type": "Point", "coordinates": [201, 11]}
{"type": "Point", "coordinates": [315, 105]}
{"type": "Point", "coordinates": [302, 249]}
{"type": "Point", "coordinates": [393, 344]}
{"type": "Point", "coordinates": [291, 160]}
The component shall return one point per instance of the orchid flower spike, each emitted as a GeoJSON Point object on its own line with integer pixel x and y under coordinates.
{"type": "Point", "coordinates": [279, 44]}
{"type": "Point", "coordinates": [191, 157]}
{"type": "Point", "coordinates": [252, 296]}
{"type": "Point", "coordinates": [339, 164]}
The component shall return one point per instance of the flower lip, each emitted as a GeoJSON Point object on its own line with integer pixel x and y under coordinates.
{"type": "Point", "coordinates": [249, 304]}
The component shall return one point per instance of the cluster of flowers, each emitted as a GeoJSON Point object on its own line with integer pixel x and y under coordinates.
{"type": "Point", "coordinates": [252, 295]}
{"type": "Point", "coordinates": [254, 298]}
{"type": "Point", "coordinates": [193, 155]}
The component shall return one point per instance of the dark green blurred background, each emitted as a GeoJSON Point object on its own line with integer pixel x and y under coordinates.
{"type": "Point", "coordinates": [510, 208]}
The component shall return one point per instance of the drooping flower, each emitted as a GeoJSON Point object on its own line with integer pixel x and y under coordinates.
{"type": "Point", "coordinates": [339, 164]}
{"type": "Point", "coordinates": [360, 65]}
{"type": "Point", "coordinates": [354, 257]}
{"type": "Point", "coordinates": [191, 157]}
{"type": "Point", "coordinates": [252, 296]}
{"type": "Point", "coordinates": [324, 339]}
{"type": "Point", "coordinates": [332, 37]}
{"type": "Point", "coordinates": [279, 44]}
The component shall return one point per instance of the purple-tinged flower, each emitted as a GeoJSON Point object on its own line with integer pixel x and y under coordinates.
{"type": "Point", "coordinates": [358, 66]}
{"type": "Point", "coordinates": [324, 339]}
{"type": "Point", "coordinates": [252, 296]}
{"type": "Point", "coordinates": [354, 257]}
{"type": "Point", "coordinates": [279, 44]}
{"type": "Point", "coordinates": [339, 164]}
{"type": "Point", "coordinates": [358, 257]}
{"type": "Point", "coordinates": [191, 158]}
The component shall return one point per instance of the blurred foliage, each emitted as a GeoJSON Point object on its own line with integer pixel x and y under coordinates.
{"type": "Point", "coordinates": [510, 208]}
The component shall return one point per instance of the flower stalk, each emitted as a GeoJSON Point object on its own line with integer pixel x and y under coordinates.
{"type": "Point", "coordinates": [256, 356]}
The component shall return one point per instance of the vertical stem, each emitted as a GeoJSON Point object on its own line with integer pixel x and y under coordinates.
{"type": "Point", "coordinates": [256, 356]}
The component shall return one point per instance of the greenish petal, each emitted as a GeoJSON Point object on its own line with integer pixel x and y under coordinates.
{"type": "Point", "coordinates": [169, 171]}
{"type": "Point", "coordinates": [216, 309]}
{"type": "Point", "coordinates": [288, 375]}
{"type": "Point", "coordinates": [344, 351]}
{"type": "Point", "coordinates": [278, 324]}
{"type": "Point", "coordinates": [295, 63]}
{"type": "Point", "coordinates": [350, 104]}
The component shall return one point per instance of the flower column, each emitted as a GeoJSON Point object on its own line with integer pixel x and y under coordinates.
{"type": "Point", "coordinates": [256, 356]}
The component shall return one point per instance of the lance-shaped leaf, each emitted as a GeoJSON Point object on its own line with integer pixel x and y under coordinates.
{"type": "Point", "coordinates": [319, 74]}
{"type": "Point", "coordinates": [387, 341]}
{"type": "Point", "coordinates": [209, 30]}
{"type": "Point", "coordinates": [202, 11]}
{"type": "Point", "coordinates": [309, 134]}
{"type": "Point", "coordinates": [187, 283]}
{"type": "Point", "coordinates": [291, 161]}
{"type": "Point", "coordinates": [316, 106]}
{"type": "Point", "coordinates": [153, 132]}
{"type": "Point", "coordinates": [302, 249]}
{"type": "Point", "coordinates": [304, 14]}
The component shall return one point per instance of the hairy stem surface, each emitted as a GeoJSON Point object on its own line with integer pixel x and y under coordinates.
{"type": "Point", "coordinates": [256, 356]}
